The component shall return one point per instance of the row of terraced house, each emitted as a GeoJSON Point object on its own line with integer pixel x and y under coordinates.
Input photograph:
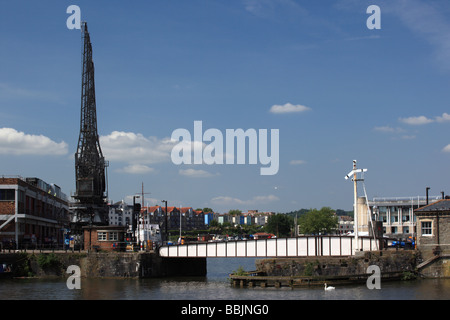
{"type": "Point", "coordinates": [121, 214]}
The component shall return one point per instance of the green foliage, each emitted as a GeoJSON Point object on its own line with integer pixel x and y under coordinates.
{"type": "Point", "coordinates": [309, 269]}
{"type": "Point", "coordinates": [408, 275]}
{"type": "Point", "coordinates": [297, 213]}
{"type": "Point", "coordinates": [205, 210]}
{"type": "Point", "coordinates": [214, 223]}
{"type": "Point", "coordinates": [234, 212]}
{"type": "Point", "coordinates": [240, 272]}
{"type": "Point", "coordinates": [280, 225]}
{"type": "Point", "coordinates": [318, 221]}
{"type": "Point", "coordinates": [300, 212]}
{"type": "Point", "coordinates": [23, 268]}
{"type": "Point", "coordinates": [48, 261]}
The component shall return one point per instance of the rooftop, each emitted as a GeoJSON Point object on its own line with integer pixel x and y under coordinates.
{"type": "Point", "coordinates": [441, 205]}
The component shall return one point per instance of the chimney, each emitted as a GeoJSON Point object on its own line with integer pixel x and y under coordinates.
{"type": "Point", "coordinates": [428, 188]}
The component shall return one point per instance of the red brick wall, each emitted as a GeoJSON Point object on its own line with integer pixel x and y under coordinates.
{"type": "Point", "coordinates": [104, 245]}
{"type": "Point", "coordinates": [7, 207]}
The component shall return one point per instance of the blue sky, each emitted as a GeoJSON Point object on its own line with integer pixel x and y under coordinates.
{"type": "Point", "coordinates": [380, 96]}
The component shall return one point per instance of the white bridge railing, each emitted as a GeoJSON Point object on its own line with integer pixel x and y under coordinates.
{"type": "Point", "coordinates": [305, 246]}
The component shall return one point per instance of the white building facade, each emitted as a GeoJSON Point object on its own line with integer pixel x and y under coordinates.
{"type": "Point", "coordinates": [120, 214]}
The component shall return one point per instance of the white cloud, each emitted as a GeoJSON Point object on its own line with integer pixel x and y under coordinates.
{"type": "Point", "coordinates": [288, 108]}
{"type": "Point", "coordinates": [230, 201]}
{"type": "Point", "coordinates": [416, 121]}
{"type": "Point", "coordinates": [147, 200]}
{"type": "Point", "coordinates": [423, 120]}
{"type": "Point", "coordinates": [408, 137]}
{"type": "Point", "coordinates": [388, 129]}
{"type": "Point", "coordinates": [20, 143]}
{"type": "Point", "coordinates": [194, 173]}
{"type": "Point", "coordinates": [135, 149]}
{"type": "Point", "coordinates": [297, 162]}
{"type": "Point", "coordinates": [446, 148]}
{"type": "Point", "coordinates": [273, 9]}
{"type": "Point", "coordinates": [137, 169]}
{"type": "Point", "coordinates": [445, 117]}
{"type": "Point", "coordinates": [395, 131]}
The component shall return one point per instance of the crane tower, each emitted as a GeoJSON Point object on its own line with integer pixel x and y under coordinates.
{"type": "Point", "coordinates": [90, 165]}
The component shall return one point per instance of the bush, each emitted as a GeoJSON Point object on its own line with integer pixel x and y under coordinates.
{"type": "Point", "coordinates": [240, 272]}
{"type": "Point", "coordinates": [48, 261]}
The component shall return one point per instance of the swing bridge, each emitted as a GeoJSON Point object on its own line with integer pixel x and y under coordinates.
{"type": "Point", "coordinates": [302, 246]}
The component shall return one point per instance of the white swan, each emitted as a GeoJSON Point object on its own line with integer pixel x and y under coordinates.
{"type": "Point", "coordinates": [328, 288]}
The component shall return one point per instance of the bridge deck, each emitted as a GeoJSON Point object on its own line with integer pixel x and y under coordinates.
{"type": "Point", "coordinates": [304, 246]}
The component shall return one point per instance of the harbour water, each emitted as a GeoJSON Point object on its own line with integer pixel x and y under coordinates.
{"type": "Point", "coordinates": [215, 286]}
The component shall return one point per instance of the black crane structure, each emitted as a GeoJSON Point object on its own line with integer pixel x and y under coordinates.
{"type": "Point", "coordinates": [90, 206]}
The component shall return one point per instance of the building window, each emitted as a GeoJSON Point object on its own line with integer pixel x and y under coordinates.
{"type": "Point", "coordinates": [7, 195]}
{"type": "Point", "coordinates": [426, 228]}
{"type": "Point", "coordinates": [113, 236]}
{"type": "Point", "coordinates": [101, 236]}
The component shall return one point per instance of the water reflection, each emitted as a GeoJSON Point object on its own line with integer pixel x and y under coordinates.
{"type": "Point", "coordinates": [215, 286]}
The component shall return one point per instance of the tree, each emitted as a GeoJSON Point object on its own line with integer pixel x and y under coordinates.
{"type": "Point", "coordinates": [205, 210]}
{"type": "Point", "coordinates": [280, 225]}
{"type": "Point", "coordinates": [214, 223]}
{"type": "Point", "coordinates": [234, 212]}
{"type": "Point", "coordinates": [318, 221]}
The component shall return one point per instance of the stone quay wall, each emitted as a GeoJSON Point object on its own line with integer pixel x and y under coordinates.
{"type": "Point", "coordinates": [102, 265]}
{"type": "Point", "coordinates": [390, 262]}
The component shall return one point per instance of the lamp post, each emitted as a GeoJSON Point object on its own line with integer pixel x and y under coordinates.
{"type": "Point", "coordinates": [167, 236]}
{"type": "Point", "coordinates": [355, 199]}
{"type": "Point", "coordinates": [180, 222]}
{"type": "Point", "coordinates": [135, 220]}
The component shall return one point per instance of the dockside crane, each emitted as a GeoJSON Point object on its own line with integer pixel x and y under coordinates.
{"type": "Point", "coordinates": [90, 206]}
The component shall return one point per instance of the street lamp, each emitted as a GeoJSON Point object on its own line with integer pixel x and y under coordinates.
{"type": "Point", "coordinates": [167, 236]}
{"type": "Point", "coordinates": [135, 224]}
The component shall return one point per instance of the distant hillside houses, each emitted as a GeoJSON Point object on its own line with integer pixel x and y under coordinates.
{"type": "Point", "coordinates": [249, 218]}
{"type": "Point", "coordinates": [190, 219]}
{"type": "Point", "coordinates": [121, 214]}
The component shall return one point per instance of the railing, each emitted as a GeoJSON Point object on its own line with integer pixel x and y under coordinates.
{"type": "Point", "coordinates": [405, 199]}
{"type": "Point", "coordinates": [10, 246]}
{"type": "Point", "coordinates": [304, 246]}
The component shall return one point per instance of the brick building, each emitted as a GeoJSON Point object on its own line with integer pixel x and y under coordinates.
{"type": "Point", "coordinates": [104, 238]}
{"type": "Point", "coordinates": [433, 228]}
{"type": "Point", "coordinates": [33, 213]}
